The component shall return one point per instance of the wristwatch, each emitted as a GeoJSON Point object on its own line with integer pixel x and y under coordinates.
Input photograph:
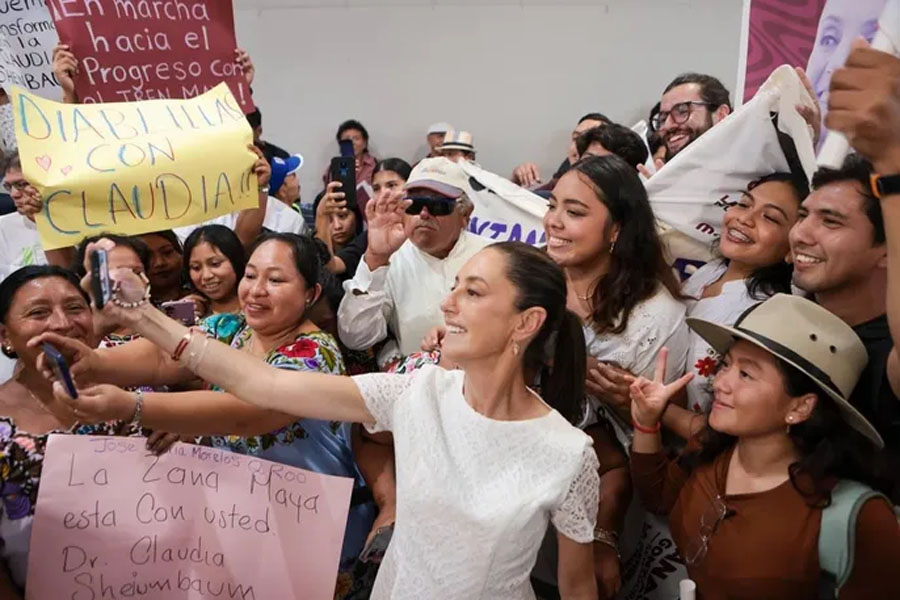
{"type": "Point", "coordinates": [884, 185]}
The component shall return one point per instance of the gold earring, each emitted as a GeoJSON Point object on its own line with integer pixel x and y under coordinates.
{"type": "Point", "coordinates": [516, 348]}
{"type": "Point", "coordinates": [612, 246]}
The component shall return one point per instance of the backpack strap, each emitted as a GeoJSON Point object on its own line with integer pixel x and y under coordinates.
{"type": "Point", "coordinates": [837, 534]}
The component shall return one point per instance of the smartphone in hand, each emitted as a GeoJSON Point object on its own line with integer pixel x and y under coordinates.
{"type": "Point", "coordinates": [101, 286]}
{"type": "Point", "coordinates": [60, 369]}
{"type": "Point", "coordinates": [343, 169]}
{"type": "Point", "coordinates": [180, 310]}
{"type": "Point", "coordinates": [376, 549]}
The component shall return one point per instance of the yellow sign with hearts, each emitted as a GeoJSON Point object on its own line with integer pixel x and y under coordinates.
{"type": "Point", "coordinates": [134, 167]}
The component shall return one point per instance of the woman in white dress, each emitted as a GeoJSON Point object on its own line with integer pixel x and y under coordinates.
{"type": "Point", "coordinates": [483, 462]}
{"type": "Point", "coordinates": [753, 267]}
{"type": "Point", "coordinates": [601, 229]}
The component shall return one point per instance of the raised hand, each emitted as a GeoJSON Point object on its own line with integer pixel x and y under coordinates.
{"type": "Point", "coordinates": [242, 59]}
{"type": "Point", "coordinates": [812, 115]}
{"type": "Point", "coordinates": [261, 168]}
{"type": "Point", "coordinates": [65, 67]}
{"type": "Point", "coordinates": [650, 398]}
{"type": "Point", "coordinates": [526, 175]}
{"type": "Point", "coordinates": [386, 232]}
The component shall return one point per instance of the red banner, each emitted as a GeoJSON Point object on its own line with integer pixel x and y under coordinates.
{"type": "Point", "coordinates": [132, 50]}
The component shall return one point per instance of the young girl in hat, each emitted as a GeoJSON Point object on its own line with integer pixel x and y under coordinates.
{"type": "Point", "coordinates": [745, 500]}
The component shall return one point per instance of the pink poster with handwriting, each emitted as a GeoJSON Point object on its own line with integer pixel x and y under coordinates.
{"type": "Point", "coordinates": [114, 522]}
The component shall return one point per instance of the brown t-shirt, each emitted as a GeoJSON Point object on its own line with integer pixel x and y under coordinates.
{"type": "Point", "coordinates": [767, 545]}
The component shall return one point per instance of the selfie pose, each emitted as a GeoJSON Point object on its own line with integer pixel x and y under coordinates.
{"type": "Point", "coordinates": [483, 462]}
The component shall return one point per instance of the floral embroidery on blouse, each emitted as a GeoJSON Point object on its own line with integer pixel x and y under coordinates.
{"type": "Point", "coordinates": [415, 361]}
{"type": "Point", "coordinates": [22, 457]}
{"type": "Point", "coordinates": [317, 351]}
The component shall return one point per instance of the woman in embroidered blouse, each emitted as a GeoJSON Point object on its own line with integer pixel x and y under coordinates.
{"type": "Point", "coordinates": [278, 287]}
{"type": "Point", "coordinates": [483, 463]}
{"type": "Point", "coordinates": [34, 300]}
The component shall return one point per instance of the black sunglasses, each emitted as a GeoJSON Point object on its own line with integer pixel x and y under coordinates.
{"type": "Point", "coordinates": [437, 207]}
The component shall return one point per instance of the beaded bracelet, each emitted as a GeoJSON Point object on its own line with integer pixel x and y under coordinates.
{"type": "Point", "coordinates": [123, 304]}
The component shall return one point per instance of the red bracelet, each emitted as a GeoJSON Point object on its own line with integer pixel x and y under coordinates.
{"type": "Point", "coordinates": [643, 429]}
{"type": "Point", "coordinates": [182, 345]}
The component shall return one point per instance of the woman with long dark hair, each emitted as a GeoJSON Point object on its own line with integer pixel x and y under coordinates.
{"type": "Point", "coordinates": [484, 463]}
{"type": "Point", "coordinates": [751, 268]}
{"type": "Point", "coordinates": [214, 263]}
{"type": "Point", "coordinates": [601, 230]}
{"type": "Point", "coordinates": [746, 499]}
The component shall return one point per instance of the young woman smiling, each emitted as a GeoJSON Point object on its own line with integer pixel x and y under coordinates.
{"type": "Point", "coordinates": [214, 263]}
{"type": "Point", "coordinates": [473, 508]}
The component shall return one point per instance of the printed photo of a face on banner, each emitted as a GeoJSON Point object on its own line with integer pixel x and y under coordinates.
{"type": "Point", "coordinates": [841, 22]}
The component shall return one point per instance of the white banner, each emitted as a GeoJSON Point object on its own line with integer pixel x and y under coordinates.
{"type": "Point", "coordinates": [27, 37]}
{"type": "Point", "coordinates": [690, 193]}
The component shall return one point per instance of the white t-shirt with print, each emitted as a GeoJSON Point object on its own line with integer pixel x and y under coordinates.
{"type": "Point", "coordinates": [474, 495]}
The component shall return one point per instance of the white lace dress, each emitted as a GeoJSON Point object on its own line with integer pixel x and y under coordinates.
{"type": "Point", "coordinates": [474, 495]}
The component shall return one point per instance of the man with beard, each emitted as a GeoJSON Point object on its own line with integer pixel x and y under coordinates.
{"type": "Point", "coordinates": [690, 106]}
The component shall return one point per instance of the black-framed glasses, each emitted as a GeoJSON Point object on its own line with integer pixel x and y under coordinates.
{"type": "Point", "coordinates": [680, 113]}
{"type": "Point", "coordinates": [18, 185]}
{"type": "Point", "coordinates": [437, 207]}
{"type": "Point", "coordinates": [696, 549]}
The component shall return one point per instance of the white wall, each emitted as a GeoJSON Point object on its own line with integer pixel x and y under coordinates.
{"type": "Point", "coordinates": [516, 73]}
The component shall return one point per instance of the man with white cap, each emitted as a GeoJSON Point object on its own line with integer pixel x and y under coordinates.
{"type": "Point", "coordinates": [457, 146]}
{"type": "Point", "coordinates": [435, 137]}
{"type": "Point", "coordinates": [417, 243]}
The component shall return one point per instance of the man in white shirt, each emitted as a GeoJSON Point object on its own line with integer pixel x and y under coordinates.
{"type": "Point", "coordinates": [416, 247]}
{"type": "Point", "coordinates": [20, 244]}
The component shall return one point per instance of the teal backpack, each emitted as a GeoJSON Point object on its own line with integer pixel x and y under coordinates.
{"type": "Point", "coordinates": [837, 535]}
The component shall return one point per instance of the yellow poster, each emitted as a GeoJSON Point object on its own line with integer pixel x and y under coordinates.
{"type": "Point", "coordinates": [134, 167]}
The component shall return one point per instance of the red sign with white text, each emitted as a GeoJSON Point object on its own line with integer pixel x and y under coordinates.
{"type": "Point", "coordinates": [130, 50]}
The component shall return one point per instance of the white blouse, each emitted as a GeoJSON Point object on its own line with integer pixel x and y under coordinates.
{"type": "Point", "coordinates": [655, 323]}
{"type": "Point", "coordinates": [723, 309]}
{"type": "Point", "coordinates": [474, 495]}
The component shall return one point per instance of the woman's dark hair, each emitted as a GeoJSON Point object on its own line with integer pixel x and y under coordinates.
{"type": "Point", "coordinates": [775, 278]}
{"type": "Point", "coordinates": [397, 165]}
{"type": "Point", "coordinates": [558, 350]}
{"type": "Point", "coordinates": [352, 124]}
{"type": "Point", "coordinates": [169, 236]}
{"type": "Point", "coordinates": [18, 278]}
{"type": "Point", "coordinates": [303, 250]}
{"type": "Point", "coordinates": [829, 448]}
{"type": "Point", "coordinates": [637, 265]}
{"type": "Point", "coordinates": [133, 242]}
{"type": "Point", "coordinates": [221, 238]}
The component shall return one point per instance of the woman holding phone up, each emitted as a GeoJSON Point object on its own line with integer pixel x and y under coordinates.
{"type": "Point", "coordinates": [483, 462]}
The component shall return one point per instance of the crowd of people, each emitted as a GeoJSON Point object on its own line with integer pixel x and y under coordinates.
{"type": "Point", "coordinates": [522, 421]}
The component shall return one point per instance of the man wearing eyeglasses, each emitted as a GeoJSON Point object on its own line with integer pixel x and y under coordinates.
{"type": "Point", "coordinates": [417, 243]}
{"type": "Point", "coordinates": [20, 244]}
{"type": "Point", "coordinates": [691, 105]}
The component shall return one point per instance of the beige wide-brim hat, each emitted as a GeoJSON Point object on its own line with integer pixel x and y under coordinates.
{"type": "Point", "coordinates": [806, 336]}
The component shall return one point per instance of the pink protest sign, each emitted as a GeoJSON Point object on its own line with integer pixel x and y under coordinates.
{"type": "Point", "coordinates": [112, 521]}
{"type": "Point", "coordinates": [147, 50]}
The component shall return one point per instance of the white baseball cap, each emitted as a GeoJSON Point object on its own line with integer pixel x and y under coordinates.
{"type": "Point", "coordinates": [439, 175]}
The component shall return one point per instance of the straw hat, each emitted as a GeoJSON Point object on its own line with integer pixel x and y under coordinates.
{"type": "Point", "coordinates": [806, 336]}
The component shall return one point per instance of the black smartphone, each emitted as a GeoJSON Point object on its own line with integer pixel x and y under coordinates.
{"type": "Point", "coordinates": [101, 287]}
{"type": "Point", "coordinates": [346, 148]}
{"type": "Point", "coordinates": [343, 169]}
{"type": "Point", "coordinates": [376, 549]}
{"type": "Point", "coordinates": [180, 310]}
{"type": "Point", "coordinates": [60, 369]}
